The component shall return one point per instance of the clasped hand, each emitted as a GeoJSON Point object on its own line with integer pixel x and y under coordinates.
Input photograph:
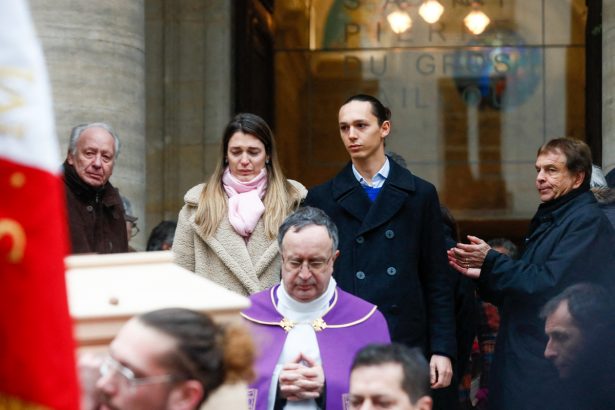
{"type": "Point", "coordinates": [301, 379]}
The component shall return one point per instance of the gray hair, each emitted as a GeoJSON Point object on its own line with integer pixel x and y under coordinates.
{"type": "Point", "coordinates": [307, 216]}
{"type": "Point", "coordinates": [597, 180]}
{"type": "Point", "coordinates": [78, 130]}
{"type": "Point", "coordinates": [507, 244]}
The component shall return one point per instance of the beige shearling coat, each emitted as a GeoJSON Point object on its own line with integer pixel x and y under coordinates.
{"type": "Point", "coordinates": [225, 258]}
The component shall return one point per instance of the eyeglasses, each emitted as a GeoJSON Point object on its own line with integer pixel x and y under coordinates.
{"type": "Point", "coordinates": [315, 266]}
{"type": "Point", "coordinates": [127, 376]}
{"type": "Point", "coordinates": [134, 230]}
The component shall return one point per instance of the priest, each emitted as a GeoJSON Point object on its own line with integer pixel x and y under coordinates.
{"type": "Point", "coordinates": [308, 330]}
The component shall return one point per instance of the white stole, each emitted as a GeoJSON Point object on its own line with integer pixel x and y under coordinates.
{"type": "Point", "coordinates": [300, 339]}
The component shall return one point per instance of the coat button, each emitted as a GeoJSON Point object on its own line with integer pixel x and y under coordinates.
{"type": "Point", "coordinates": [391, 271]}
{"type": "Point", "coordinates": [89, 208]}
{"type": "Point", "coordinates": [389, 234]}
{"type": "Point", "coordinates": [360, 275]}
{"type": "Point", "coordinates": [360, 239]}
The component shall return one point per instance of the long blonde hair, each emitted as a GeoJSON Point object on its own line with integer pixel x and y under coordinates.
{"type": "Point", "coordinates": [281, 198]}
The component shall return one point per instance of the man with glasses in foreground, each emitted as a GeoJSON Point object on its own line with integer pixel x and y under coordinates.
{"type": "Point", "coordinates": [168, 359]}
{"type": "Point", "coordinates": [307, 329]}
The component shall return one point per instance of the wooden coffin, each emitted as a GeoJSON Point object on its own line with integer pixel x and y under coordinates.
{"type": "Point", "coordinates": [104, 291]}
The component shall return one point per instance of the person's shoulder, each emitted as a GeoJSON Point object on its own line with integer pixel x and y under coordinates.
{"type": "Point", "coordinates": [584, 205]}
{"type": "Point", "coordinates": [262, 295]}
{"type": "Point", "coordinates": [299, 187]}
{"type": "Point", "coordinates": [320, 192]}
{"type": "Point", "coordinates": [193, 194]}
{"type": "Point", "coordinates": [353, 309]}
{"type": "Point", "coordinates": [112, 197]}
{"type": "Point", "coordinates": [112, 190]}
{"type": "Point", "coordinates": [580, 213]}
{"type": "Point", "coordinates": [404, 178]}
{"type": "Point", "coordinates": [261, 307]}
{"type": "Point", "coordinates": [355, 301]}
{"type": "Point", "coordinates": [344, 179]}
{"type": "Point", "coordinates": [325, 186]}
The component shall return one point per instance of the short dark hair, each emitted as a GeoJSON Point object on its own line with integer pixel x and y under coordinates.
{"type": "Point", "coordinates": [306, 216]}
{"type": "Point", "coordinates": [163, 233]}
{"type": "Point", "coordinates": [415, 369]}
{"type": "Point", "coordinates": [207, 352]}
{"type": "Point", "coordinates": [578, 155]}
{"type": "Point", "coordinates": [507, 244]}
{"type": "Point", "coordinates": [381, 112]}
{"type": "Point", "coordinates": [590, 306]}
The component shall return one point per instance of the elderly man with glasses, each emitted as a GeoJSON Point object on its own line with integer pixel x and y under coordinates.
{"type": "Point", "coordinates": [307, 329]}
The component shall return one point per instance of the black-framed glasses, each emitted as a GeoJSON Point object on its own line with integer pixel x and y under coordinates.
{"type": "Point", "coordinates": [134, 230]}
{"type": "Point", "coordinates": [127, 376]}
{"type": "Point", "coordinates": [315, 266]}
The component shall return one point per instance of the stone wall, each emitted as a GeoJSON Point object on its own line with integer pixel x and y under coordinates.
{"type": "Point", "coordinates": [189, 76]}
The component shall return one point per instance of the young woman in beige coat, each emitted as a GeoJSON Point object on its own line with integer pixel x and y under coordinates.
{"type": "Point", "coordinates": [227, 229]}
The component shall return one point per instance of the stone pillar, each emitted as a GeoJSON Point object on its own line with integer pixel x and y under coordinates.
{"type": "Point", "coordinates": [189, 99]}
{"type": "Point", "coordinates": [608, 85]}
{"type": "Point", "coordinates": [95, 52]}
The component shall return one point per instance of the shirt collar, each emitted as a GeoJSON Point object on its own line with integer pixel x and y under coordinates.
{"type": "Point", "coordinates": [295, 310]}
{"type": "Point", "coordinates": [378, 179]}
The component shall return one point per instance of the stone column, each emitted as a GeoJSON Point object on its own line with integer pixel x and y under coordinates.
{"type": "Point", "coordinates": [189, 99]}
{"type": "Point", "coordinates": [95, 52]}
{"type": "Point", "coordinates": [608, 85]}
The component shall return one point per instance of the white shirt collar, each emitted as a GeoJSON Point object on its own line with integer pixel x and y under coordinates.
{"type": "Point", "coordinates": [378, 179]}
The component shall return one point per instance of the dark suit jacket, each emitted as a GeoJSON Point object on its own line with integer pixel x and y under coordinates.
{"type": "Point", "coordinates": [392, 254]}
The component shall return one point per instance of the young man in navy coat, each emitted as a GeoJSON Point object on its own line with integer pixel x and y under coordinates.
{"type": "Point", "coordinates": [392, 250]}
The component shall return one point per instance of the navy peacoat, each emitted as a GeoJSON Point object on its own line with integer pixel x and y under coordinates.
{"type": "Point", "coordinates": [573, 243]}
{"type": "Point", "coordinates": [392, 254]}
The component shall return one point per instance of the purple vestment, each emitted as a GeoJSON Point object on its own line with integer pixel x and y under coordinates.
{"type": "Point", "coordinates": [351, 323]}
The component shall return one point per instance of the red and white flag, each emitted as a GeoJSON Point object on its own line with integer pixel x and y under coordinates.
{"type": "Point", "coordinates": [37, 351]}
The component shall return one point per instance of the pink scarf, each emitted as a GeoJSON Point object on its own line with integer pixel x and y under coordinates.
{"type": "Point", "coordinates": [245, 207]}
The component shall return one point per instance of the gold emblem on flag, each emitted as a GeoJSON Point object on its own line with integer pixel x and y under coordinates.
{"type": "Point", "coordinates": [17, 180]}
{"type": "Point", "coordinates": [10, 227]}
{"type": "Point", "coordinates": [16, 403]}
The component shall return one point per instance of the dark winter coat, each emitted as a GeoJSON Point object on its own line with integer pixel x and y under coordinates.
{"type": "Point", "coordinates": [95, 216]}
{"type": "Point", "coordinates": [392, 254]}
{"type": "Point", "coordinates": [606, 201]}
{"type": "Point", "coordinates": [466, 323]}
{"type": "Point", "coordinates": [572, 243]}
